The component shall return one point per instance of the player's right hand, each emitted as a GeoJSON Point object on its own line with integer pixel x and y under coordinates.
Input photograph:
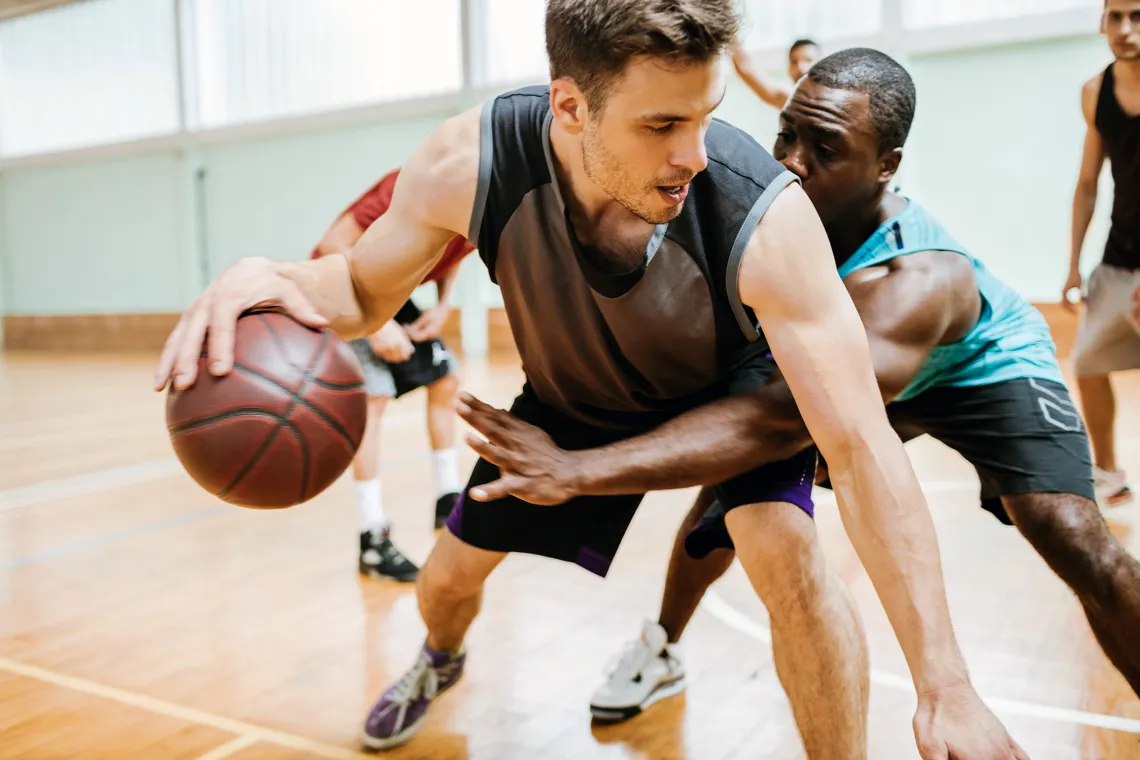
{"type": "Point", "coordinates": [1073, 281]}
{"type": "Point", "coordinates": [249, 283]}
{"type": "Point", "coordinates": [392, 344]}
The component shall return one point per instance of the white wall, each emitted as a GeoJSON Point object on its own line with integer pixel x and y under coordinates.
{"type": "Point", "coordinates": [995, 151]}
{"type": "Point", "coordinates": [989, 154]}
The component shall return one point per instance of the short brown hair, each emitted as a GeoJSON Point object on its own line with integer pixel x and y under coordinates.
{"type": "Point", "coordinates": [591, 41]}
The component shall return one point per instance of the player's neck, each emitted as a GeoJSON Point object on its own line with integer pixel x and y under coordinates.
{"type": "Point", "coordinates": [1127, 72]}
{"type": "Point", "coordinates": [848, 233]}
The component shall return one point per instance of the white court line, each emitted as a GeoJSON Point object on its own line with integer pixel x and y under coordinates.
{"type": "Point", "coordinates": [88, 483]}
{"type": "Point", "coordinates": [734, 618]}
{"type": "Point", "coordinates": [230, 748]}
{"type": "Point", "coordinates": [188, 714]}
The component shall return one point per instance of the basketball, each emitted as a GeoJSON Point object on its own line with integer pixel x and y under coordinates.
{"type": "Point", "coordinates": [282, 425]}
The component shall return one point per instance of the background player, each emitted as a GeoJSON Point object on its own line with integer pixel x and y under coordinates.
{"type": "Point", "coordinates": [958, 354]}
{"type": "Point", "coordinates": [802, 55]}
{"type": "Point", "coordinates": [1107, 339]}
{"type": "Point", "coordinates": [403, 355]}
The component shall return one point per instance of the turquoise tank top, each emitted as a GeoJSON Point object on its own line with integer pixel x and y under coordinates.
{"type": "Point", "coordinates": [1010, 340]}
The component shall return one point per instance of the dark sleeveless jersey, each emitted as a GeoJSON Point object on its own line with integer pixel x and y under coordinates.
{"type": "Point", "coordinates": [631, 350]}
{"type": "Point", "coordinates": [1120, 134]}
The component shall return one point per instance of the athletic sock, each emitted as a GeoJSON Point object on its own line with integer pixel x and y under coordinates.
{"type": "Point", "coordinates": [445, 467]}
{"type": "Point", "coordinates": [370, 507]}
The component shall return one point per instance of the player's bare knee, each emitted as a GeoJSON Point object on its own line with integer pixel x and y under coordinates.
{"type": "Point", "coordinates": [455, 569]}
{"type": "Point", "coordinates": [444, 391]}
{"type": "Point", "coordinates": [778, 547]}
{"type": "Point", "coordinates": [1070, 534]}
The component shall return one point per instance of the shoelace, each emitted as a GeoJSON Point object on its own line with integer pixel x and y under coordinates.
{"type": "Point", "coordinates": [629, 662]}
{"type": "Point", "coordinates": [421, 680]}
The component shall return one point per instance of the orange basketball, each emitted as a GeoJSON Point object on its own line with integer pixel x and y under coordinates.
{"type": "Point", "coordinates": [282, 425]}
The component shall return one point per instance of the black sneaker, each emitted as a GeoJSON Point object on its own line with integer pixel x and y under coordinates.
{"type": "Point", "coordinates": [443, 507]}
{"type": "Point", "coordinates": [379, 558]}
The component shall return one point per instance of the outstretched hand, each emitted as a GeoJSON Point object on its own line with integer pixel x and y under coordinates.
{"type": "Point", "coordinates": [954, 724]}
{"type": "Point", "coordinates": [531, 465]}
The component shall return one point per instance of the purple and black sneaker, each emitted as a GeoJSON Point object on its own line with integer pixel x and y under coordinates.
{"type": "Point", "coordinates": [400, 711]}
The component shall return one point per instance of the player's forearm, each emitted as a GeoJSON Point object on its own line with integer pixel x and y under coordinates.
{"type": "Point", "coordinates": [1084, 204]}
{"type": "Point", "coordinates": [710, 444]}
{"type": "Point", "coordinates": [886, 517]}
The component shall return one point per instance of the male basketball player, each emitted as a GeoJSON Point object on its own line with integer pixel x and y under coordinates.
{"type": "Point", "coordinates": [802, 55]}
{"type": "Point", "coordinates": [649, 259]}
{"type": "Point", "coordinates": [1107, 339]}
{"type": "Point", "coordinates": [405, 354]}
{"type": "Point", "coordinates": [958, 354]}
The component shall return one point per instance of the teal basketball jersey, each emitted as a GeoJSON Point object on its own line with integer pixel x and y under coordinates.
{"type": "Point", "coordinates": [1010, 340]}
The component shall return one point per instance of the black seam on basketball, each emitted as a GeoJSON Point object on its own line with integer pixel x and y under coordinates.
{"type": "Point", "coordinates": [304, 463]}
{"type": "Point", "coordinates": [298, 399]}
{"type": "Point", "coordinates": [249, 465]}
{"type": "Point", "coordinates": [252, 412]}
{"type": "Point", "coordinates": [337, 386]}
{"type": "Point", "coordinates": [277, 341]}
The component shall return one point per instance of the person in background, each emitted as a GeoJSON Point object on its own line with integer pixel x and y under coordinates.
{"type": "Point", "coordinates": [1107, 339]}
{"type": "Point", "coordinates": [405, 354]}
{"type": "Point", "coordinates": [802, 55]}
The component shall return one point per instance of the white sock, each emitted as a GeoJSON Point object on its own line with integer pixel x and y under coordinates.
{"type": "Point", "coordinates": [445, 467]}
{"type": "Point", "coordinates": [370, 506]}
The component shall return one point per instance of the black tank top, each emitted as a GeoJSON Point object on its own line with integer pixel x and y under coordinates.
{"type": "Point", "coordinates": [628, 350]}
{"type": "Point", "coordinates": [1120, 134]}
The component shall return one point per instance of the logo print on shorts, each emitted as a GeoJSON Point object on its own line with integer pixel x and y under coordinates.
{"type": "Point", "coordinates": [1056, 409]}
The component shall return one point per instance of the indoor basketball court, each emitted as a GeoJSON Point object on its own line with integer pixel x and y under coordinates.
{"type": "Point", "coordinates": [142, 616]}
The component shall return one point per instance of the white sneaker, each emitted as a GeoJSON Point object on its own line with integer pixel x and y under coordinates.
{"type": "Point", "coordinates": [647, 670]}
{"type": "Point", "coordinates": [1111, 488]}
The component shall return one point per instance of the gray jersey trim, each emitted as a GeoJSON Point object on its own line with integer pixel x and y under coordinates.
{"type": "Point", "coordinates": [743, 235]}
{"type": "Point", "coordinates": [486, 163]}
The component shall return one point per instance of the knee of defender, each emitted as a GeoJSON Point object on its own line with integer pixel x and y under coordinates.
{"type": "Point", "coordinates": [447, 578]}
{"type": "Point", "coordinates": [1069, 533]}
{"type": "Point", "coordinates": [788, 570]}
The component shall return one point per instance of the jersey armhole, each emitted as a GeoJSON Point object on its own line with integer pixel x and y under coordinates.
{"type": "Point", "coordinates": [748, 324]}
{"type": "Point", "coordinates": [486, 165]}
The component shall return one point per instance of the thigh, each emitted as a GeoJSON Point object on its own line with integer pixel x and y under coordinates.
{"type": "Point", "coordinates": [1023, 436]}
{"type": "Point", "coordinates": [378, 380]}
{"type": "Point", "coordinates": [1107, 340]}
{"type": "Point", "coordinates": [586, 531]}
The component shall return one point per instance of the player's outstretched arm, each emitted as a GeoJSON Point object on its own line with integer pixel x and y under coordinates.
{"type": "Point", "coordinates": [356, 292]}
{"type": "Point", "coordinates": [788, 278]}
{"type": "Point", "coordinates": [906, 314]}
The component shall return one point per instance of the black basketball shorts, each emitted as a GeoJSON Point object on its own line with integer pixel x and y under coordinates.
{"type": "Point", "coordinates": [430, 362]}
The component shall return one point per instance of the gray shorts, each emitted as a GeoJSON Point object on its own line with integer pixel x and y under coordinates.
{"type": "Point", "coordinates": [1107, 339]}
{"type": "Point", "coordinates": [431, 362]}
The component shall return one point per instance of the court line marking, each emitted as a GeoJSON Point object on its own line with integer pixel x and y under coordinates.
{"type": "Point", "coordinates": [231, 747]}
{"type": "Point", "coordinates": [109, 538]}
{"type": "Point", "coordinates": [180, 712]}
{"type": "Point", "coordinates": [734, 618]}
{"type": "Point", "coordinates": [88, 483]}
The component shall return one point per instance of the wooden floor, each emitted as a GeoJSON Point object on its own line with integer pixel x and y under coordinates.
{"type": "Point", "coordinates": [140, 618]}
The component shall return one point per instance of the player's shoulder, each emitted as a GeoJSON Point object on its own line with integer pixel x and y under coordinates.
{"type": "Point", "coordinates": [438, 182]}
{"type": "Point", "coordinates": [1090, 93]}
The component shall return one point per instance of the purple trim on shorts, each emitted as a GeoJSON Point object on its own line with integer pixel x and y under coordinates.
{"type": "Point", "coordinates": [455, 519]}
{"type": "Point", "coordinates": [593, 561]}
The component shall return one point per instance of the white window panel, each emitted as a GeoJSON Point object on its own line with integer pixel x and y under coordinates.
{"type": "Point", "coordinates": [924, 14]}
{"type": "Point", "coordinates": [779, 23]}
{"type": "Point", "coordinates": [265, 59]}
{"type": "Point", "coordinates": [87, 74]}
{"type": "Point", "coordinates": [513, 42]}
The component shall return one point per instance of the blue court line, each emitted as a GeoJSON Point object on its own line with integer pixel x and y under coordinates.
{"type": "Point", "coordinates": [108, 538]}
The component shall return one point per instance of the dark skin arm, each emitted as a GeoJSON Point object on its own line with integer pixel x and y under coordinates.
{"type": "Point", "coordinates": [907, 306]}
